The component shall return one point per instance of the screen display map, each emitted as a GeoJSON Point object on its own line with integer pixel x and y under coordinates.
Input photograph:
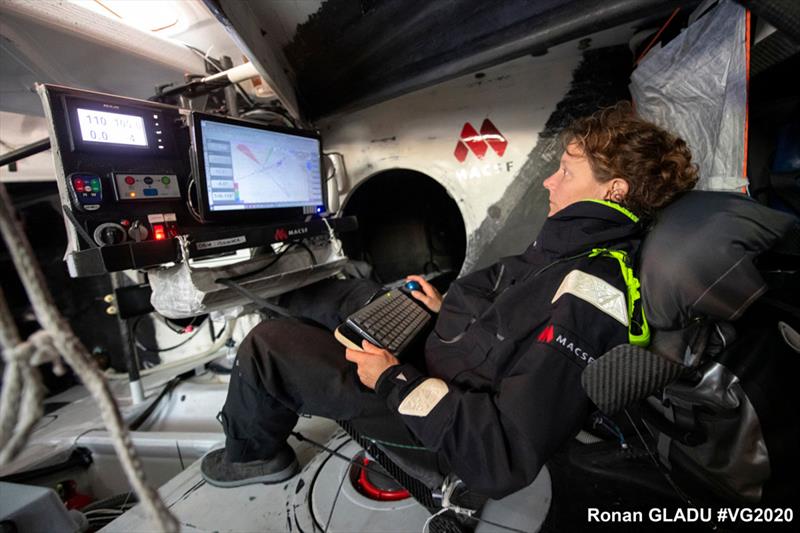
{"type": "Point", "coordinates": [250, 168]}
{"type": "Point", "coordinates": [113, 128]}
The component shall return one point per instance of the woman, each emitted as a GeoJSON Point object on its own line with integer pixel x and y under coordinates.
{"type": "Point", "coordinates": [497, 390]}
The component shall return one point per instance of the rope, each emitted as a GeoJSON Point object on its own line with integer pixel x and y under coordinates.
{"type": "Point", "coordinates": [57, 337]}
{"type": "Point", "coordinates": [23, 391]}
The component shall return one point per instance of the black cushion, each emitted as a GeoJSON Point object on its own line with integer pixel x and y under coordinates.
{"type": "Point", "coordinates": [624, 375]}
{"type": "Point", "coordinates": [698, 258]}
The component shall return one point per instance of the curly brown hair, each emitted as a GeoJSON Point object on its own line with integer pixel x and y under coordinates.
{"type": "Point", "coordinates": [656, 164]}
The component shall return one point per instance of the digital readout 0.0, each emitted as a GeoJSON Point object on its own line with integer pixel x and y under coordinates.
{"type": "Point", "coordinates": [115, 128]}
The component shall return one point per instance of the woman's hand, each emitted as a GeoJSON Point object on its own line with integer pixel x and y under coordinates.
{"type": "Point", "coordinates": [372, 362]}
{"type": "Point", "coordinates": [429, 295]}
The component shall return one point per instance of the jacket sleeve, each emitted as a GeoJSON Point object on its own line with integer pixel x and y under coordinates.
{"type": "Point", "coordinates": [497, 440]}
{"type": "Point", "coordinates": [481, 281]}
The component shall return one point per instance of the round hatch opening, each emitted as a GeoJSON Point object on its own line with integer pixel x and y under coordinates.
{"type": "Point", "coordinates": [408, 224]}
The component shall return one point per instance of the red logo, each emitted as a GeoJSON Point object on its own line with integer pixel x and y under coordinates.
{"type": "Point", "coordinates": [478, 143]}
{"type": "Point", "coordinates": [281, 234]}
{"type": "Point", "coordinates": [546, 335]}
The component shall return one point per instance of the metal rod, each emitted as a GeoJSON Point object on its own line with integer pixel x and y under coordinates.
{"type": "Point", "coordinates": [26, 151]}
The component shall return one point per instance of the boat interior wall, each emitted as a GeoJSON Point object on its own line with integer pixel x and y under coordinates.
{"type": "Point", "coordinates": [600, 79]}
{"type": "Point", "coordinates": [349, 56]}
{"type": "Point", "coordinates": [49, 42]}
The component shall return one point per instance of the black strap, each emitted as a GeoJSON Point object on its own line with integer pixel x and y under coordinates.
{"type": "Point", "coordinates": [79, 228]}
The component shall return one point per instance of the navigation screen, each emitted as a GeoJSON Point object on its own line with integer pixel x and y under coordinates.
{"type": "Point", "coordinates": [115, 128]}
{"type": "Point", "coordinates": [250, 168]}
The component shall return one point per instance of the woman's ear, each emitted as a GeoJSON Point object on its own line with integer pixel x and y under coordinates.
{"type": "Point", "coordinates": [617, 190]}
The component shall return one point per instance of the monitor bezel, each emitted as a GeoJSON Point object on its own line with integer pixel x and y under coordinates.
{"type": "Point", "coordinates": [248, 216]}
{"type": "Point", "coordinates": [78, 144]}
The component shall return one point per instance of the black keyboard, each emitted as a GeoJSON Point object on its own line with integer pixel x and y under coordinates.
{"type": "Point", "coordinates": [391, 321]}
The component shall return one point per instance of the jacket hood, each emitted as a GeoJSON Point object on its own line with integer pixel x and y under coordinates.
{"type": "Point", "coordinates": [587, 224]}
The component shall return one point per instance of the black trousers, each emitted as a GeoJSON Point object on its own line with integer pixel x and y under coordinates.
{"type": "Point", "coordinates": [288, 367]}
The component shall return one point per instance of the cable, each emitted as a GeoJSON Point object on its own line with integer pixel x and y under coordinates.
{"type": "Point", "coordinates": [286, 119]}
{"type": "Point", "coordinates": [244, 275]}
{"type": "Point", "coordinates": [495, 524]}
{"type": "Point", "coordinates": [196, 360]}
{"type": "Point", "coordinates": [310, 253]}
{"type": "Point", "coordinates": [141, 346]}
{"type": "Point", "coordinates": [78, 227]}
{"type": "Point", "coordinates": [394, 444]}
{"type": "Point", "coordinates": [189, 205]}
{"type": "Point", "coordinates": [178, 328]}
{"type": "Point", "coordinates": [601, 420]}
{"type": "Point", "coordinates": [144, 415]}
{"type": "Point", "coordinates": [431, 517]}
{"type": "Point", "coordinates": [332, 236]}
{"type": "Point", "coordinates": [335, 499]}
{"type": "Point", "coordinates": [302, 438]}
{"type": "Point", "coordinates": [682, 495]}
{"type": "Point", "coordinates": [255, 298]}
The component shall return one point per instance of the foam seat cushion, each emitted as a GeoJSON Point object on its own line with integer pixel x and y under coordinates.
{"type": "Point", "coordinates": [698, 258]}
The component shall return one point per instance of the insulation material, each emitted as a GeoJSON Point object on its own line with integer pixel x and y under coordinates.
{"type": "Point", "coordinates": [696, 86]}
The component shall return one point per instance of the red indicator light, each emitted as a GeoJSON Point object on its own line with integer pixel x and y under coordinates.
{"type": "Point", "coordinates": [125, 222]}
{"type": "Point", "coordinates": [158, 232]}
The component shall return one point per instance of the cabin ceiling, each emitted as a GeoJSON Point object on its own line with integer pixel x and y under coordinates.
{"type": "Point", "coordinates": [351, 54]}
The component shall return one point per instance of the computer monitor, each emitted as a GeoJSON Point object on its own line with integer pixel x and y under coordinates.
{"type": "Point", "coordinates": [249, 172]}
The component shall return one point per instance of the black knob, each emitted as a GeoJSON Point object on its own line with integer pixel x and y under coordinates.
{"type": "Point", "coordinates": [109, 233]}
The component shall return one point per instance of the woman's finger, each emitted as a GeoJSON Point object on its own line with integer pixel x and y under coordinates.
{"type": "Point", "coordinates": [354, 356]}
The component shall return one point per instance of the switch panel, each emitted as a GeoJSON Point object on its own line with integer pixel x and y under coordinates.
{"type": "Point", "coordinates": [134, 187]}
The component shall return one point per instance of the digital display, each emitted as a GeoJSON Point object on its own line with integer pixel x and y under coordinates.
{"type": "Point", "coordinates": [250, 168]}
{"type": "Point", "coordinates": [114, 128]}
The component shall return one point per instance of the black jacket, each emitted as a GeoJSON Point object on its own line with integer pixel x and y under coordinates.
{"type": "Point", "coordinates": [503, 389]}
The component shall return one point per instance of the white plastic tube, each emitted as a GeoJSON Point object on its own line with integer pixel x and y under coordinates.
{"type": "Point", "coordinates": [245, 71]}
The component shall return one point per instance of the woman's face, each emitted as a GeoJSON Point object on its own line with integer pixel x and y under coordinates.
{"type": "Point", "coordinates": [574, 181]}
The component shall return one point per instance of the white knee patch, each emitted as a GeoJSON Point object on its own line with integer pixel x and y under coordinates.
{"type": "Point", "coordinates": [423, 398]}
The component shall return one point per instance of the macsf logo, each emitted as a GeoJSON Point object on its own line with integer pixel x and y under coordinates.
{"type": "Point", "coordinates": [479, 143]}
{"type": "Point", "coordinates": [547, 334]}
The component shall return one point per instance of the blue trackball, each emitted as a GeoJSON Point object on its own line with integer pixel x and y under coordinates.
{"type": "Point", "coordinates": [412, 286]}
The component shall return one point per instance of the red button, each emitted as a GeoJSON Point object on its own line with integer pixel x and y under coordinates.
{"type": "Point", "coordinates": [129, 180]}
{"type": "Point", "coordinates": [158, 232]}
{"type": "Point", "coordinates": [78, 184]}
